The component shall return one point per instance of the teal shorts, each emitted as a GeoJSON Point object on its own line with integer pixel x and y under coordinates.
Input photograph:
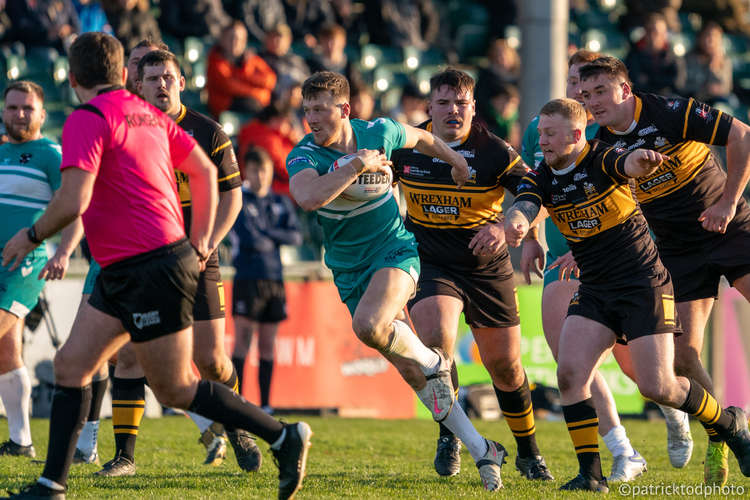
{"type": "Point", "coordinates": [20, 289]}
{"type": "Point", "coordinates": [401, 254]}
{"type": "Point", "coordinates": [94, 270]}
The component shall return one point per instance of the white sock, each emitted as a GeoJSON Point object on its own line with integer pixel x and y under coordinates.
{"type": "Point", "coordinates": [460, 425]}
{"type": "Point", "coordinates": [15, 390]}
{"type": "Point", "coordinates": [202, 422]}
{"type": "Point", "coordinates": [49, 483]}
{"type": "Point", "coordinates": [618, 443]}
{"type": "Point", "coordinates": [673, 416]}
{"type": "Point", "coordinates": [276, 445]}
{"type": "Point", "coordinates": [405, 343]}
{"type": "Point", "coordinates": [87, 439]}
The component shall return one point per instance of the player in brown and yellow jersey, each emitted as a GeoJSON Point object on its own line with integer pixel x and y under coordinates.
{"type": "Point", "coordinates": [696, 211]}
{"type": "Point", "coordinates": [465, 262]}
{"type": "Point", "coordinates": [625, 291]}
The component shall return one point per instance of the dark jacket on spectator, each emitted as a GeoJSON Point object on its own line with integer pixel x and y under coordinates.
{"type": "Point", "coordinates": [659, 72]}
{"type": "Point", "coordinates": [197, 18]}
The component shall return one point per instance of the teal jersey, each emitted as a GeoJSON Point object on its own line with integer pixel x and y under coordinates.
{"type": "Point", "coordinates": [29, 174]}
{"type": "Point", "coordinates": [354, 232]}
{"type": "Point", "coordinates": [532, 155]}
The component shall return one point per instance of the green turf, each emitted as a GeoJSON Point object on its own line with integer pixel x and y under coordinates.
{"type": "Point", "coordinates": [372, 459]}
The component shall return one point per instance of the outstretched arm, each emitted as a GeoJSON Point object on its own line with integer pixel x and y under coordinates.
{"type": "Point", "coordinates": [431, 145]}
{"type": "Point", "coordinates": [643, 162]}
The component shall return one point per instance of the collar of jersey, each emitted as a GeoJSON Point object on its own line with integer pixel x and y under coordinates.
{"type": "Point", "coordinates": [636, 117]}
{"type": "Point", "coordinates": [183, 111]}
{"type": "Point", "coordinates": [573, 165]}
{"type": "Point", "coordinates": [109, 89]}
{"type": "Point", "coordinates": [450, 144]}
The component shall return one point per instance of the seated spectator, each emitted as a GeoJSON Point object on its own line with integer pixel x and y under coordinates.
{"type": "Point", "coordinates": [306, 17]}
{"type": "Point", "coordinates": [652, 65]}
{"type": "Point", "coordinates": [131, 21]}
{"type": "Point", "coordinates": [350, 18]}
{"type": "Point", "coordinates": [199, 18]}
{"type": "Point", "coordinates": [503, 65]}
{"type": "Point", "coordinates": [272, 130]}
{"type": "Point", "coordinates": [42, 24]}
{"type": "Point", "coordinates": [638, 10]}
{"type": "Point", "coordinates": [362, 102]}
{"type": "Point", "coordinates": [329, 54]}
{"type": "Point", "coordinates": [500, 112]}
{"type": "Point", "coordinates": [259, 16]}
{"type": "Point", "coordinates": [290, 68]}
{"type": "Point", "coordinates": [92, 16]}
{"type": "Point", "coordinates": [709, 71]}
{"type": "Point", "coordinates": [412, 108]}
{"type": "Point", "coordinates": [236, 78]}
{"type": "Point", "coordinates": [402, 23]}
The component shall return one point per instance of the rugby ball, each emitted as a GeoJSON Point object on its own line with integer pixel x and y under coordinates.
{"type": "Point", "coordinates": [368, 186]}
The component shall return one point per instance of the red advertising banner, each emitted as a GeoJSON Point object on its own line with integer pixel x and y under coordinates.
{"type": "Point", "coordinates": [320, 363]}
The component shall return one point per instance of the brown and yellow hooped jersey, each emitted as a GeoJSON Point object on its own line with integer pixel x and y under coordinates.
{"type": "Point", "coordinates": [592, 204]}
{"type": "Point", "coordinates": [445, 218]}
{"type": "Point", "coordinates": [673, 197]}
{"type": "Point", "coordinates": [211, 138]}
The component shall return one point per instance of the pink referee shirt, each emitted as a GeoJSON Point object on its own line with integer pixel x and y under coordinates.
{"type": "Point", "coordinates": [132, 148]}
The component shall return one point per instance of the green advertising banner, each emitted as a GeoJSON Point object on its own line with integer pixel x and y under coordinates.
{"type": "Point", "coordinates": [537, 359]}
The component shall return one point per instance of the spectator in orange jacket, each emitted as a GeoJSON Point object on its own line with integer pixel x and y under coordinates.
{"type": "Point", "coordinates": [237, 79]}
{"type": "Point", "coordinates": [272, 130]}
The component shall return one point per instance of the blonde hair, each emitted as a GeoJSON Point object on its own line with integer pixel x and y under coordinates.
{"type": "Point", "coordinates": [570, 109]}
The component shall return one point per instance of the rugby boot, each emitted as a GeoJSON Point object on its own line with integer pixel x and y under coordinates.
{"type": "Point", "coordinates": [490, 464]}
{"type": "Point", "coordinates": [625, 469]}
{"type": "Point", "coordinates": [586, 483]}
{"type": "Point", "coordinates": [246, 451]}
{"type": "Point", "coordinates": [9, 447]}
{"type": "Point", "coordinates": [438, 395]}
{"type": "Point", "coordinates": [119, 466]}
{"type": "Point", "coordinates": [37, 491]}
{"type": "Point", "coordinates": [533, 468]}
{"type": "Point", "coordinates": [716, 465]}
{"type": "Point", "coordinates": [679, 438]}
{"type": "Point", "coordinates": [291, 458]}
{"type": "Point", "coordinates": [216, 447]}
{"type": "Point", "coordinates": [448, 456]}
{"type": "Point", "coordinates": [738, 439]}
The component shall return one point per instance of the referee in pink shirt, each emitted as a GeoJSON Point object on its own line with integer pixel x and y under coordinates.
{"type": "Point", "coordinates": [119, 156]}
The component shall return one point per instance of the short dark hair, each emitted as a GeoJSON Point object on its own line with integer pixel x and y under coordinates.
{"type": "Point", "coordinates": [326, 81]}
{"type": "Point", "coordinates": [95, 59]}
{"type": "Point", "coordinates": [155, 58]}
{"type": "Point", "coordinates": [257, 155]}
{"type": "Point", "coordinates": [150, 41]}
{"type": "Point", "coordinates": [458, 80]}
{"type": "Point", "coordinates": [610, 66]}
{"type": "Point", "coordinates": [25, 86]}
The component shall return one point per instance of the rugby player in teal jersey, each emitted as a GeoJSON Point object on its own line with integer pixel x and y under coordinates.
{"type": "Point", "coordinates": [373, 257]}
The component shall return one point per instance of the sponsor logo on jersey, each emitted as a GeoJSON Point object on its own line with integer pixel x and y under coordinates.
{"type": "Point", "coordinates": [440, 210]}
{"type": "Point", "coordinates": [579, 224]}
{"type": "Point", "coordinates": [466, 153]}
{"type": "Point", "coordinates": [415, 171]}
{"type": "Point", "coordinates": [142, 320]}
{"type": "Point", "coordinates": [569, 188]}
{"type": "Point", "coordinates": [703, 113]}
{"type": "Point", "coordinates": [619, 144]}
{"type": "Point", "coordinates": [296, 159]}
{"type": "Point", "coordinates": [25, 158]}
{"type": "Point", "coordinates": [580, 176]}
{"type": "Point", "coordinates": [472, 174]}
{"type": "Point", "coordinates": [557, 198]}
{"type": "Point", "coordinates": [589, 189]}
{"type": "Point", "coordinates": [582, 218]}
{"type": "Point", "coordinates": [554, 181]}
{"type": "Point", "coordinates": [648, 130]}
{"type": "Point", "coordinates": [659, 142]}
{"type": "Point", "coordinates": [673, 104]}
{"type": "Point", "coordinates": [650, 184]}
{"type": "Point", "coordinates": [637, 144]}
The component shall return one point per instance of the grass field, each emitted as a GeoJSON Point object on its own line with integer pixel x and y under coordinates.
{"type": "Point", "coordinates": [372, 459]}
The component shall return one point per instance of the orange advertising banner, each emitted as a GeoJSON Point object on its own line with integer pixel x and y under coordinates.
{"type": "Point", "coordinates": [320, 363]}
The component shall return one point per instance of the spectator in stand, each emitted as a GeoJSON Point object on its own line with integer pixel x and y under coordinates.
{"type": "Point", "coordinates": [362, 102]}
{"type": "Point", "coordinates": [709, 71]}
{"type": "Point", "coordinates": [329, 54]}
{"type": "Point", "coordinates": [412, 108]}
{"type": "Point", "coordinates": [259, 16]}
{"type": "Point", "coordinates": [290, 68]}
{"type": "Point", "coordinates": [266, 222]}
{"type": "Point", "coordinates": [199, 18]}
{"type": "Point", "coordinates": [503, 66]}
{"type": "Point", "coordinates": [653, 66]}
{"type": "Point", "coordinates": [500, 112]}
{"type": "Point", "coordinates": [131, 21]}
{"type": "Point", "coordinates": [402, 23]}
{"type": "Point", "coordinates": [42, 24]}
{"type": "Point", "coordinates": [272, 130]}
{"type": "Point", "coordinates": [350, 18]}
{"type": "Point", "coordinates": [92, 16]}
{"type": "Point", "coordinates": [637, 10]}
{"type": "Point", "coordinates": [236, 78]}
{"type": "Point", "coordinates": [732, 15]}
{"type": "Point", "coordinates": [306, 17]}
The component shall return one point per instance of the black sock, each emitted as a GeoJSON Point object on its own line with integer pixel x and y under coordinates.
{"type": "Point", "coordinates": [218, 403]}
{"type": "Point", "coordinates": [702, 405]}
{"type": "Point", "coordinates": [98, 389]}
{"type": "Point", "coordinates": [583, 425]}
{"type": "Point", "coordinates": [233, 382]}
{"type": "Point", "coordinates": [519, 414]}
{"type": "Point", "coordinates": [265, 373]}
{"type": "Point", "coordinates": [239, 368]}
{"type": "Point", "coordinates": [70, 405]}
{"type": "Point", "coordinates": [128, 405]}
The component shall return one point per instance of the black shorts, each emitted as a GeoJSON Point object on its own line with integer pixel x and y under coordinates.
{"type": "Point", "coordinates": [153, 293]}
{"type": "Point", "coordinates": [489, 301]}
{"type": "Point", "coordinates": [263, 301]}
{"type": "Point", "coordinates": [630, 314]}
{"type": "Point", "coordinates": [696, 274]}
{"type": "Point", "coordinates": [209, 299]}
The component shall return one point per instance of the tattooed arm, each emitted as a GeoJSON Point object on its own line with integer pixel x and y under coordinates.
{"type": "Point", "coordinates": [517, 221]}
